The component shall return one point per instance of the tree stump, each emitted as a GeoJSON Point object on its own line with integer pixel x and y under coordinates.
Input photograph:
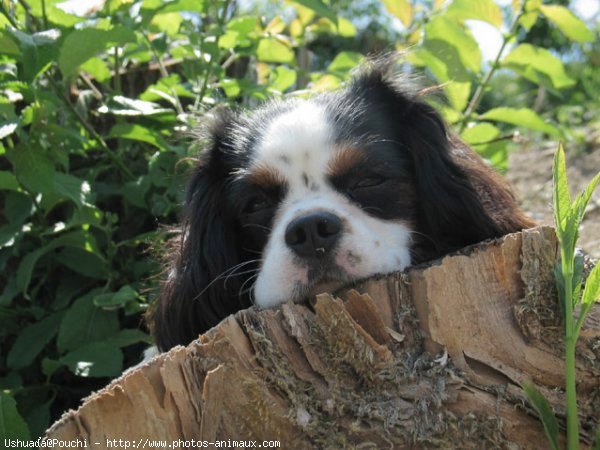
{"type": "Point", "coordinates": [430, 358]}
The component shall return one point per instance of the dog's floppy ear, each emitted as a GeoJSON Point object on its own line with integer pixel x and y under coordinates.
{"type": "Point", "coordinates": [460, 201]}
{"type": "Point", "coordinates": [194, 297]}
{"type": "Point", "coordinates": [451, 213]}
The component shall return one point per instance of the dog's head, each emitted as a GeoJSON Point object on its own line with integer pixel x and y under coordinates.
{"type": "Point", "coordinates": [303, 195]}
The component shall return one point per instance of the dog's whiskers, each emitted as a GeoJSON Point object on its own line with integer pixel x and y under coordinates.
{"type": "Point", "coordinates": [251, 280]}
{"type": "Point", "coordinates": [424, 235]}
{"type": "Point", "coordinates": [252, 251]}
{"type": "Point", "coordinates": [246, 272]}
{"type": "Point", "coordinates": [226, 273]}
{"type": "Point", "coordinates": [257, 225]}
{"type": "Point", "coordinates": [372, 208]}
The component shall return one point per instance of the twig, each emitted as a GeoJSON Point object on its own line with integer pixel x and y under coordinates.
{"type": "Point", "coordinates": [31, 17]}
{"type": "Point", "coordinates": [93, 88]}
{"type": "Point", "coordinates": [477, 96]}
{"type": "Point", "coordinates": [111, 154]}
{"type": "Point", "coordinates": [6, 14]}
{"type": "Point", "coordinates": [506, 137]}
{"type": "Point", "coordinates": [44, 14]}
{"type": "Point", "coordinates": [220, 21]}
{"type": "Point", "coordinates": [117, 80]}
{"type": "Point", "coordinates": [164, 73]}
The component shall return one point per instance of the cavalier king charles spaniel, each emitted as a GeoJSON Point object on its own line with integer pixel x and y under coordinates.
{"type": "Point", "coordinates": [302, 196]}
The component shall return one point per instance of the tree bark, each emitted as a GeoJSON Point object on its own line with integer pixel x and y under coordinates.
{"type": "Point", "coordinates": [430, 358]}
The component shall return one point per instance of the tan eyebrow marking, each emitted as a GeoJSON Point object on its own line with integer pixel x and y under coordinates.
{"type": "Point", "coordinates": [264, 175]}
{"type": "Point", "coordinates": [344, 159]}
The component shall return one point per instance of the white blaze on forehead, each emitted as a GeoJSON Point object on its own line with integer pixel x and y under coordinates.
{"type": "Point", "coordinates": [298, 143]}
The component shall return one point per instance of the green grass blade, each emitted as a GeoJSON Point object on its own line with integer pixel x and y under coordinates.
{"type": "Point", "coordinates": [544, 410]}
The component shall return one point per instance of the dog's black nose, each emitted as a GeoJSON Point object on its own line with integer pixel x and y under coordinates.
{"type": "Point", "coordinates": [313, 235]}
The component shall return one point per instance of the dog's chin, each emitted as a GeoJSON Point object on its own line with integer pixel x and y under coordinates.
{"type": "Point", "coordinates": [319, 282]}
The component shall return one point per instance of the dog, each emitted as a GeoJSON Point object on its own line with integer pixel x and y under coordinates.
{"type": "Point", "coordinates": [301, 196]}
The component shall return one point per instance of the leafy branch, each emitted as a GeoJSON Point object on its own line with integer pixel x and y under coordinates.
{"type": "Point", "coordinates": [568, 215]}
{"type": "Point", "coordinates": [480, 90]}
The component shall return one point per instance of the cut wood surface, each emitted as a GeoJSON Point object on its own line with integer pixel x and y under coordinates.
{"type": "Point", "coordinates": [430, 358]}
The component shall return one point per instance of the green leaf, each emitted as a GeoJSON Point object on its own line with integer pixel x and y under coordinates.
{"type": "Point", "coordinates": [7, 128]}
{"type": "Point", "coordinates": [496, 153]}
{"type": "Point", "coordinates": [544, 410]}
{"type": "Point", "coordinates": [174, 5]}
{"type": "Point", "coordinates": [569, 24]}
{"type": "Point", "coordinates": [38, 417]}
{"type": "Point", "coordinates": [18, 207]}
{"type": "Point", "coordinates": [83, 44]}
{"type": "Point", "coordinates": [12, 425]}
{"type": "Point", "coordinates": [135, 191]}
{"type": "Point", "coordinates": [529, 19]}
{"type": "Point", "coordinates": [591, 292]}
{"type": "Point", "coordinates": [451, 72]}
{"type": "Point", "coordinates": [320, 8]}
{"type": "Point", "coordinates": [273, 50]}
{"type": "Point", "coordinates": [480, 133]}
{"type": "Point", "coordinates": [232, 39]}
{"type": "Point", "coordinates": [244, 25]}
{"type": "Point", "coordinates": [32, 340]}
{"type": "Point", "coordinates": [345, 28]}
{"type": "Point", "coordinates": [49, 366]}
{"type": "Point", "coordinates": [538, 65]}
{"type": "Point", "coordinates": [84, 262]}
{"type": "Point", "coordinates": [482, 138]}
{"type": "Point", "coordinates": [521, 117]}
{"type": "Point", "coordinates": [581, 201]}
{"type": "Point", "coordinates": [282, 78]}
{"type": "Point", "coordinates": [578, 265]}
{"type": "Point", "coordinates": [34, 169]}
{"type": "Point", "coordinates": [97, 68]}
{"type": "Point", "coordinates": [168, 23]}
{"type": "Point", "coordinates": [344, 62]}
{"type": "Point", "coordinates": [96, 359]}
{"type": "Point", "coordinates": [561, 197]}
{"type": "Point", "coordinates": [8, 181]}
{"type": "Point", "coordinates": [38, 50]}
{"type": "Point", "coordinates": [84, 323]}
{"type": "Point", "coordinates": [9, 234]}
{"type": "Point", "coordinates": [119, 298]}
{"type": "Point", "coordinates": [54, 13]}
{"type": "Point", "coordinates": [138, 133]}
{"type": "Point", "coordinates": [27, 265]}
{"type": "Point", "coordinates": [448, 51]}
{"type": "Point", "coordinates": [8, 46]}
{"type": "Point", "coordinates": [123, 106]}
{"type": "Point", "coordinates": [484, 10]}
{"type": "Point", "coordinates": [452, 43]}
{"type": "Point", "coordinates": [129, 336]}
{"type": "Point", "coordinates": [73, 188]}
{"type": "Point", "coordinates": [402, 9]}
